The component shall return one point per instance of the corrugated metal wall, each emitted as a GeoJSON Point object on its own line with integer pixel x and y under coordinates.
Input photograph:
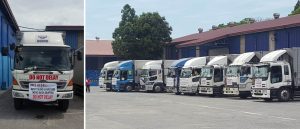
{"type": "Point", "coordinates": [257, 42]}
{"type": "Point", "coordinates": [286, 38]}
{"type": "Point", "coordinates": [93, 67]}
{"type": "Point", "coordinates": [171, 53]}
{"type": "Point", "coordinates": [7, 37]}
{"type": "Point", "coordinates": [72, 39]}
{"type": "Point", "coordinates": [232, 43]}
{"type": "Point", "coordinates": [188, 52]}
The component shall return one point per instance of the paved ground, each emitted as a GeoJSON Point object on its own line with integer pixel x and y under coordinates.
{"type": "Point", "coordinates": [111, 110]}
{"type": "Point", "coordinates": [39, 116]}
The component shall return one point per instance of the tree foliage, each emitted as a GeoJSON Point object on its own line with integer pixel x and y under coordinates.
{"type": "Point", "coordinates": [296, 9]}
{"type": "Point", "coordinates": [243, 21]}
{"type": "Point", "coordinates": [140, 37]}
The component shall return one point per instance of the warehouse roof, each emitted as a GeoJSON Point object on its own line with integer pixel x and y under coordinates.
{"type": "Point", "coordinates": [213, 35]}
{"type": "Point", "coordinates": [4, 6]}
{"type": "Point", "coordinates": [99, 48]}
{"type": "Point", "coordinates": [64, 28]}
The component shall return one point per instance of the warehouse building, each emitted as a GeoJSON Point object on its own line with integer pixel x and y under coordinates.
{"type": "Point", "coordinates": [258, 36]}
{"type": "Point", "coordinates": [74, 34]}
{"type": "Point", "coordinates": [98, 52]}
{"type": "Point", "coordinates": [8, 30]}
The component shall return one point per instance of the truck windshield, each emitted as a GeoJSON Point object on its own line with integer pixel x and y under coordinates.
{"type": "Point", "coordinates": [186, 73]}
{"type": "Point", "coordinates": [103, 73]}
{"type": "Point", "coordinates": [144, 73]}
{"type": "Point", "coordinates": [109, 74]}
{"type": "Point", "coordinates": [207, 72]}
{"type": "Point", "coordinates": [43, 58]}
{"type": "Point", "coordinates": [116, 73]}
{"type": "Point", "coordinates": [245, 71]}
{"type": "Point", "coordinates": [261, 71]}
{"type": "Point", "coordinates": [233, 71]}
{"type": "Point", "coordinates": [171, 72]}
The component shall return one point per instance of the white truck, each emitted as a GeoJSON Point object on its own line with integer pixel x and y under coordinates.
{"type": "Point", "coordinates": [239, 74]}
{"type": "Point", "coordinates": [43, 69]}
{"type": "Point", "coordinates": [213, 75]}
{"type": "Point", "coordinates": [106, 75]}
{"type": "Point", "coordinates": [153, 75]}
{"type": "Point", "coordinates": [190, 75]}
{"type": "Point", "coordinates": [278, 75]}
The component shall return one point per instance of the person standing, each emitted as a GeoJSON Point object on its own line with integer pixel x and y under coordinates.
{"type": "Point", "coordinates": [88, 83]}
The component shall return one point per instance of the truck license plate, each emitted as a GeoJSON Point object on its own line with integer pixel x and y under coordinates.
{"type": "Point", "coordinates": [43, 92]}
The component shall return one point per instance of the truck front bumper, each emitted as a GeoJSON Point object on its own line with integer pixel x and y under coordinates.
{"type": "Point", "coordinates": [264, 93]}
{"type": "Point", "coordinates": [170, 89]}
{"type": "Point", "coordinates": [149, 87]}
{"type": "Point", "coordinates": [210, 90]}
{"type": "Point", "coordinates": [188, 89]}
{"type": "Point", "coordinates": [23, 94]}
{"type": "Point", "coordinates": [230, 90]}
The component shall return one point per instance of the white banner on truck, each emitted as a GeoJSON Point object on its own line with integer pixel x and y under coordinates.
{"type": "Point", "coordinates": [43, 92]}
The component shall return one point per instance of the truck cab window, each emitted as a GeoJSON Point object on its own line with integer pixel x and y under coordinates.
{"type": "Point", "coordinates": [276, 74]}
{"type": "Point", "coordinates": [286, 70]}
{"type": "Point", "coordinates": [218, 75]}
{"type": "Point", "coordinates": [124, 75]}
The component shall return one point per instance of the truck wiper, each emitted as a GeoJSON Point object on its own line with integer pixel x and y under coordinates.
{"type": "Point", "coordinates": [27, 69]}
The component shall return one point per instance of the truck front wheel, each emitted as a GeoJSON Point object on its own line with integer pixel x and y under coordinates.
{"type": "Point", "coordinates": [129, 88]}
{"type": "Point", "coordinates": [283, 94]}
{"type": "Point", "coordinates": [18, 103]}
{"type": "Point", "coordinates": [63, 105]}
{"type": "Point", "coordinates": [157, 89]}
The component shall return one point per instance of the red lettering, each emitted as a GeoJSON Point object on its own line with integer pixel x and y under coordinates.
{"type": "Point", "coordinates": [43, 77]}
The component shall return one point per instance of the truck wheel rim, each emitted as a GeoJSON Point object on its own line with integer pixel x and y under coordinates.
{"type": "Point", "coordinates": [128, 88]}
{"type": "Point", "coordinates": [157, 89]}
{"type": "Point", "coordinates": [284, 94]}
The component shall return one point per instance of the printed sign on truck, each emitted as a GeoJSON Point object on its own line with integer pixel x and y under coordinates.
{"type": "Point", "coordinates": [43, 92]}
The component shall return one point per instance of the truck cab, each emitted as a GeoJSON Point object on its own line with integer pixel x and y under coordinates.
{"type": "Point", "coordinates": [127, 75]}
{"type": "Point", "coordinates": [190, 75]}
{"type": "Point", "coordinates": [276, 76]}
{"type": "Point", "coordinates": [239, 74]}
{"type": "Point", "coordinates": [174, 74]}
{"type": "Point", "coordinates": [213, 75]}
{"type": "Point", "coordinates": [106, 75]}
{"type": "Point", "coordinates": [43, 69]}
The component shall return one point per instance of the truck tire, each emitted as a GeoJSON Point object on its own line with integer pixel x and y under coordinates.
{"type": "Point", "coordinates": [129, 88]}
{"type": "Point", "coordinates": [283, 94]}
{"type": "Point", "coordinates": [63, 105]}
{"type": "Point", "coordinates": [18, 103]}
{"type": "Point", "coordinates": [157, 89]}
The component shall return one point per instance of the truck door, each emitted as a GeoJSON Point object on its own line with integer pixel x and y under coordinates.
{"type": "Point", "coordinates": [287, 75]}
{"type": "Point", "coordinates": [276, 76]}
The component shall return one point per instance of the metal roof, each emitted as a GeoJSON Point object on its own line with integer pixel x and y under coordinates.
{"type": "Point", "coordinates": [99, 48]}
{"type": "Point", "coordinates": [213, 35]}
{"type": "Point", "coordinates": [64, 28]}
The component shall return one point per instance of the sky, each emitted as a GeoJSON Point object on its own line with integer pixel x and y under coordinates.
{"type": "Point", "coordinates": [40, 13]}
{"type": "Point", "coordinates": [184, 16]}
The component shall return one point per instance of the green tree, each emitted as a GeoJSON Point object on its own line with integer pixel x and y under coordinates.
{"type": "Point", "coordinates": [140, 37]}
{"type": "Point", "coordinates": [296, 9]}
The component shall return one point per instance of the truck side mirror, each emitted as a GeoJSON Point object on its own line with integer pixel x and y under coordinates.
{"type": "Point", "coordinates": [4, 51]}
{"type": "Point", "coordinates": [79, 55]}
{"type": "Point", "coordinates": [12, 46]}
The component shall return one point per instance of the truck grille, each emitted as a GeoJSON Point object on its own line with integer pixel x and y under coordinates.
{"type": "Point", "coordinates": [60, 85]}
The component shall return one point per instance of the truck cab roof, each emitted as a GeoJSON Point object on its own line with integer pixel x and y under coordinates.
{"type": "Point", "coordinates": [243, 58]}
{"type": "Point", "coordinates": [41, 39]}
{"type": "Point", "coordinates": [196, 62]}
{"type": "Point", "coordinates": [218, 60]}
{"type": "Point", "coordinates": [179, 63]}
{"type": "Point", "coordinates": [273, 56]}
{"type": "Point", "coordinates": [125, 65]}
{"type": "Point", "coordinates": [111, 65]}
{"type": "Point", "coordinates": [153, 65]}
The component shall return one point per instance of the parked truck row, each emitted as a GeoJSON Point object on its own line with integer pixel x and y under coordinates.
{"type": "Point", "coordinates": [266, 75]}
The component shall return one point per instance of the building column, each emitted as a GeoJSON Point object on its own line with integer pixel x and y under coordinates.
{"type": "Point", "coordinates": [197, 51]}
{"type": "Point", "coordinates": [242, 44]}
{"type": "Point", "coordinates": [179, 53]}
{"type": "Point", "coordinates": [271, 41]}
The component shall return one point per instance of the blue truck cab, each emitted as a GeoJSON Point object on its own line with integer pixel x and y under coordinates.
{"type": "Point", "coordinates": [126, 76]}
{"type": "Point", "coordinates": [174, 75]}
